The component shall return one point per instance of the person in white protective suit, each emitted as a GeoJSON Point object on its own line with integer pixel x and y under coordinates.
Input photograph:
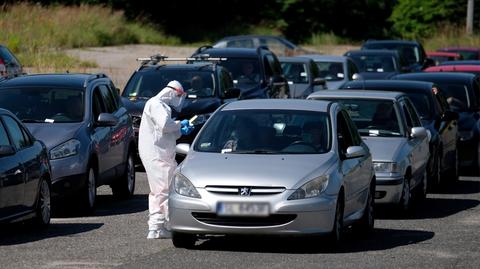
{"type": "Point", "coordinates": [156, 145]}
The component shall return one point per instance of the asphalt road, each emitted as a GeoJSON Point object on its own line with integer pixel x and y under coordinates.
{"type": "Point", "coordinates": [443, 232]}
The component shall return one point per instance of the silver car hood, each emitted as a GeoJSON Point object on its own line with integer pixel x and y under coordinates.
{"type": "Point", "coordinates": [384, 148]}
{"type": "Point", "coordinates": [289, 171]}
{"type": "Point", "coordinates": [53, 134]}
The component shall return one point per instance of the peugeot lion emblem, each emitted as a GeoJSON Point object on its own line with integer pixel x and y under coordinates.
{"type": "Point", "coordinates": [245, 191]}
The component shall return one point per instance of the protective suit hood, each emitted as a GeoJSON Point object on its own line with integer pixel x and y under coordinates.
{"type": "Point", "coordinates": [172, 95]}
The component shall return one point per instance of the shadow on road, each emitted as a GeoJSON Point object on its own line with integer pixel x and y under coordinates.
{"type": "Point", "coordinates": [106, 205]}
{"type": "Point", "coordinates": [381, 239]}
{"type": "Point", "coordinates": [466, 185]}
{"type": "Point", "coordinates": [13, 234]}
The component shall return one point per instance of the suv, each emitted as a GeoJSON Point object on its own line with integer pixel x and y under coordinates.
{"type": "Point", "coordinates": [256, 72]}
{"type": "Point", "coordinates": [411, 51]}
{"type": "Point", "coordinates": [87, 131]}
{"type": "Point", "coordinates": [9, 65]}
{"type": "Point", "coordinates": [207, 84]}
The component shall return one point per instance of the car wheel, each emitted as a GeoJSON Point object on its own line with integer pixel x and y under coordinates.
{"type": "Point", "coordinates": [406, 196]}
{"type": "Point", "coordinates": [183, 240]}
{"type": "Point", "coordinates": [367, 222]}
{"type": "Point", "coordinates": [89, 192]}
{"type": "Point", "coordinates": [335, 236]}
{"type": "Point", "coordinates": [43, 211]}
{"type": "Point", "coordinates": [125, 186]}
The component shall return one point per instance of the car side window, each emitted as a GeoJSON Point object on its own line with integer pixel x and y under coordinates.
{"type": "Point", "coordinates": [408, 117]}
{"type": "Point", "coordinates": [343, 134]}
{"type": "Point", "coordinates": [268, 69]}
{"type": "Point", "coordinates": [225, 82]}
{"type": "Point", "coordinates": [240, 43]}
{"type": "Point", "coordinates": [356, 139]}
{"type": "Point", "coordinates": [97, 104]}
{"type": "Point", "coordinates": [314, 69]}
{"type": "Point", "coordinates": [4, 141]}
{"type": "Point", "coordinates": [108, 99]}
{"type": "Point", "coordinates": [413, 114]}
{"type": "Point", "coordinates": [16, 134]}
{"type": "Point", "coordinates": [116, 95]}
{"type": "Point", "coordinates": [352, 69]}
{"type": "Point", "coordinates": [275, 64]}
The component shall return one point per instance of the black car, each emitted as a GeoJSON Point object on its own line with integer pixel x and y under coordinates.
{"type": "Point", "coordinates": [87, 130]}
{"type": "Point", "coordinates": [378, 64]}
{"type": "Point", "coordinates": [303, 76]}
{"type": "Point", "coordinates": [279, 45]}
{"type": "Point", "coordinates": [256, 72]}
{"type": "Point", "coordinates": [436, 116]}
{"type": "Point", "coordinates": [462, 91]}
{"type": "Point", "coordinates": [412, 51]}
{"type": "Point", "coordinates": [207, 84]}
{"type": "Point", "coordinates": [25, 177]}
{"type": "Point", "coordinates": [9, 64]}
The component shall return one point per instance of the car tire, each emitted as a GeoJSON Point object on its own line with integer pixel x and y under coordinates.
{"type": "Point", "coordinates": [88, 194]}
{"type": "Point", "coordinates": [366, 224]}
{"type": "Point", "coordinates": [336, 235]}
{"type": "Point", "coordinates": [44, 209]}
{"type": "Point", "coordinates": [125, 186]}
{"type": "Point", "coordinates": [183, 240]}
{"type": "Point", "coordinates": [405, 200]}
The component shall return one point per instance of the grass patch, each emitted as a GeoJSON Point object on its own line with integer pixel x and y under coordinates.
{"type": "Point", "coordinates": [36, 33]}
{"type": "Point", "coordinates": [451, 36]}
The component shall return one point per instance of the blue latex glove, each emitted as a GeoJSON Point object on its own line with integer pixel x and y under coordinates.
{"type": "Point", "coordinates": [184, 123]}
{"type": "Point", "coordinates": [187, 130]}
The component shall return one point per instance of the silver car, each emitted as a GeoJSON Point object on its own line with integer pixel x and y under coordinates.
{"type": "Point", "coordinates": [391, 127]}
{"type": "Point", "coordinates": [282, 167]}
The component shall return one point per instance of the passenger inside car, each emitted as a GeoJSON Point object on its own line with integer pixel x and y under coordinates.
{"type": "Point", "coordinates": [384, 118]}
{"type": "Point", "coordinates": [313, 133]}
{"type": "Point", "coordinates": [198, 88]}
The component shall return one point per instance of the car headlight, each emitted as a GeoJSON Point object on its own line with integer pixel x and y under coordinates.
{"type": "Point", "coordinates": [313, 188]}
{"type": "Point", "coordinates": [385, 167]}
{"type": "Point", "coordinates": [184, 187]}
{"type": "Point", "coordinates": [64, 150]}
{"type": "Point", "coordinates": [466, 135]}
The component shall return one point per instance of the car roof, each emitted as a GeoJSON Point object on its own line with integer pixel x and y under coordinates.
{"type": "Point", "coordinates": [297, 59]}
{"type": "Point", "coordinates": [255, 36]}
{"type": "Point", "coordinates": [365, 94]}
{"type": "Point", "coordinates": [373, 52]}
{"type": "Point", "coordinates": [52, 80]}
{"type": "Point", "coordinates": [392, 41]}
{"type": "Point", "coordinates": [288, 104]}
{"type": "Point", "coordinates": [391, 85]}
{"type": "Point", "coordinates": [439, 77]}
{"type": "Point", "coordinates": [325, 58]}
{"type": "Point", "coordinates": [231, 52]}
{"type": "Point", "coordinates": [453, 68]}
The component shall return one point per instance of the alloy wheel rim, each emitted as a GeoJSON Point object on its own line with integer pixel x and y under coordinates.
{"type": "Point", "coordinates": [91, 188]}
{"type": "Point", "coordinates": [45, 207]}
{"type": "Point", "coordinates": [130, 174]}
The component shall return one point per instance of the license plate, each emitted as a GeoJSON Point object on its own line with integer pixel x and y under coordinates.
{"type": "Point", "coordinates": [243, 209]}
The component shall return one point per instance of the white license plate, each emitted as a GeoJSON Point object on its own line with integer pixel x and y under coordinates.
{"type": "Point", "coordinates": [243, 209]}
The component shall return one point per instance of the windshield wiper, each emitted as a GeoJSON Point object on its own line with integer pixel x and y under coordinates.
{"type": "Point", "coordinates": [258, 151]}
{"type": "Point", "coordinates": [32, 121]}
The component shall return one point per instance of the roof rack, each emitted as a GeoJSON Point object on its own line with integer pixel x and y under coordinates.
{"type": "Point", "coordinates": [157, 58]}
{"type": "Point", "coordinates": [92, 77]}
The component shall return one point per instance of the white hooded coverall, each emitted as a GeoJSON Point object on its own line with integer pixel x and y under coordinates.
{"type": "Point", "coordinates": [156, 145]}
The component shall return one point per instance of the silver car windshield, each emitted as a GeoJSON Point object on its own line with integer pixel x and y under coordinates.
{"type": "Point", "coordinates": [373, 117]}
{"type": "Point", "coordinates": [50, 105]}
{"type": "Point", "coordinates": [266, 132]}
{"type": "Point", "coordinates": [145, 85]}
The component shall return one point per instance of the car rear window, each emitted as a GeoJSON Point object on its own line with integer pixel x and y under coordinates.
{"type": "Point", "coordinates": [295, 72]}
{"type": "Point", "coordinates": [375, 63]}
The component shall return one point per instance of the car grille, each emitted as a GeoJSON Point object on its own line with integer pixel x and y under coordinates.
{"type": "Point", "coordinates": [236, 190]}
{"type": "Point", "coordinates": [272, 220]}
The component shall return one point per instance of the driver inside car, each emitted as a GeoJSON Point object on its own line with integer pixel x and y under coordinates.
{"type": "Point", "coordinates": [313, 135]}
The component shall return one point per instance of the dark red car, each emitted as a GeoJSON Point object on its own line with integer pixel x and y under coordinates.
{"type": "Point", "coordinates": [473, 69]}
{"type": "Point", "coordinates": [440, 56]}
{"type": "Point", "coordinates": [467, 53]}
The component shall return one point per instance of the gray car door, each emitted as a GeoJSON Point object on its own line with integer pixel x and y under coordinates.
{"type": "Point", "coordinates": [101, 136]}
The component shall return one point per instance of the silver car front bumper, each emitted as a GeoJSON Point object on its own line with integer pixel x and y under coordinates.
{"type": "Point", "coordinates": [304, 216]}
{"type": "Point", "coordinates": [388, 190]}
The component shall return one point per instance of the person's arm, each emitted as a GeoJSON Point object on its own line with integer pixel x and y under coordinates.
{"type": "Point", "coordinates": [161, 115]}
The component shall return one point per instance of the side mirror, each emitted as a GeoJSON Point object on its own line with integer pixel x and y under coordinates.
{"type": "Point", "coordinates": [106, 119]}
{"type": "Point", "coordinates": [182, 148]}
{"type": "Point", "coordinates": [319, 81]}
{"type": "Point", "coordinates": [355, 152]}
{"type": "Point", "coordinates": [277, 81]}
{"type": "Point", "coordinates": [6, 151]}
{"type": "Point", "coordinates": [418, 132]}
{"type": "Point", "coordinates": [449, 115]}
{"type": "Point", "coordinates": [232, 93]}
{"type": "Point", "coordinates": [357, 76]}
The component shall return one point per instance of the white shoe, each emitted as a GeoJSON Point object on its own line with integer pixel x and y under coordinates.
{"type": "Point", "coordinates": [159, 234]}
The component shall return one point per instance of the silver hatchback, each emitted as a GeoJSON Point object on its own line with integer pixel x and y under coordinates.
{"type": "Point", "coordinates": [273, 167]}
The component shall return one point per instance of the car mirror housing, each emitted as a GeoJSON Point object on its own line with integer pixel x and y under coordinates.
{"type": "Point", "coordinates": [106, 119]}
{"type": "Point", "coordinates": [418, 132]}
{"type": "Point", "coordinates": [6, 150]}
{"type": "Point", "coordinates": [182, 149]}
{"type": "Point", "coordinates": [355, 152]}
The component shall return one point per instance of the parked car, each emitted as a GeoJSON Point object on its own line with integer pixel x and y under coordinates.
{"type": "Point", "coordinates": [86, 128]}
{"type": "Point", "coordinates": [390, 126]}
{"type": "Point", "coordinates": [436, 116]}
{"type": "Point", "coordinates": [9, 64]}
{"type": "Point", "coordinates": [472, 69]}
{"type": "Point", "coordinates": [279, 45]}
{"type": "Point", "coordinates": [440, 56]}
{"type": "Point", "coordinates": [467, 53]}
{"type": "Point", "coordinates": [378, 64]}
{"type": "Point", "coordinates": [412, 51]}
{"type": "Point", "coordinates": [302, 75]}
{"type": "Point", "coordinates": [463, 95]}
{"type": "Point", "coordinates": [462, 62]}
{"type": "Point", "coordinates": [207, 84]}
{"type": "Point", "coordinates": [336, 70]}
{"type": "Point", "coordinates": [25, 177]}
{"type": "Point", "coordinates": [283, 167]}
{"type": "Point", "coordinates": [256, 72]}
